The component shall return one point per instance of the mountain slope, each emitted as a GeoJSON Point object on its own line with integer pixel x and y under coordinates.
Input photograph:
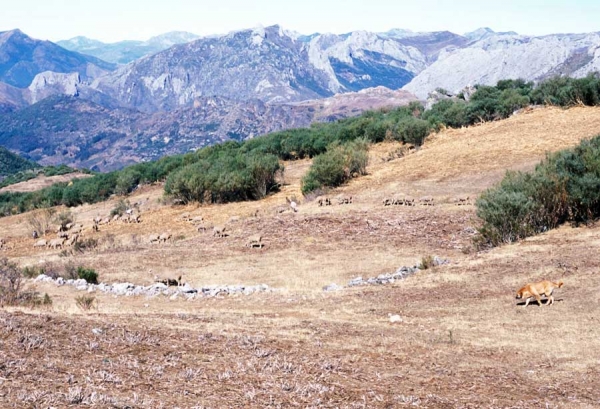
{"type": "Point", "coordinates": [11, 163]}
{"type": "Point", "coordinates": [503, 56]}
{"type": "Point", "coordinates": [262, 63]}
{"type": "Point", "coordinates": [82, 133]}
{"type": "Point", "coordinates": [124, 52]}
{"type": "Point", "coordinates": [22, 58]}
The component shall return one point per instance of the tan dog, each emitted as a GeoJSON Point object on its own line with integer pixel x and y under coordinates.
{"type": "Point", "coordinates": [537, 290]}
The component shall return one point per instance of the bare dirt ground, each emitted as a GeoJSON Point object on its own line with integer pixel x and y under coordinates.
{"type": "Point", "coordinates": [42, 181]}
{"type": "Point", "coordinates": [463, 341]}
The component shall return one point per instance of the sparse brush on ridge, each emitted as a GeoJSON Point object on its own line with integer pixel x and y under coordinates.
{"type": "Point", "coordinates": [562, 188]}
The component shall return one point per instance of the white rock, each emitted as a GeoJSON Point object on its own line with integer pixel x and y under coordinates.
{"type": "Point", "coordinates": [394, 318]}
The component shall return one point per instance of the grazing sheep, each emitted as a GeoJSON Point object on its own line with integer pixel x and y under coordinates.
{"type": "Point", "coordinates": [97, 219]}
{"type": "Point", "coordinates": [343, 199]}
{"type": "Point", "coordinates": [324, 201]}
{"type": "Point", "coordinates": [426, 201]}
{"type": "Point", "coordinates": [202, 227]}
{"type": "Point", "coordinates": [408, 201]}
{"type": "Point", "coordinates": [169, 281]}
{"type": "Point", "coordinates": [154, 238]}
{"type": "Point", "coordinates": [131, 218]}
{"type": "Point", "coordinates": [164, 237]}
{"type": "Point", "coordinates": [56, 243]}
{"type": "Point", "coordinates": [63, 235]}
{"type": "Point", "coordinates": [185, 217]}
{"type": "Point", "coordinates": [219, 231]}
{"type": "Point", "coordinates": [197, 219]}
{"type": "Point", "coordinates": [72, 240]}
{"type": "Point", "coordinates": [68, 226]}
{"type": "Point", "coordinates": [387, 202]}
{"type": "Point", "coordinates": [255, 241]}
{"type": "Point", "coordinates": [40, 243]}
{"type": "Point", "coordinates": [116, 217]}
{"type": "Point", "coordinates": [462, 200]}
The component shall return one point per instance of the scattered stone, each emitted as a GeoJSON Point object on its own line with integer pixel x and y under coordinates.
{"type": "Point", "coordinates": [437, 261]}
{"type": "Point", "coordinates": [129, 289]}
{"type": "Point", "coordinates": [332, 287]}
{"type": "Point", "coordinates": [394, 318]}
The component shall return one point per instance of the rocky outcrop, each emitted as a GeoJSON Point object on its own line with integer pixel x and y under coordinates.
{"type": "Point", "coordinates": [50, 83]}
{"type": "Point", "coordinates": [509, 56]}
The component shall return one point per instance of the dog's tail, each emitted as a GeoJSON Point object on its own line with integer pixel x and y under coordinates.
{"type": "Point", "coordinates": [560, 283]}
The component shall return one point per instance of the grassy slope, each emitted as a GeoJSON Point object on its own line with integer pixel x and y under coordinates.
{"type": "Point", "coordinates": [463, 342]}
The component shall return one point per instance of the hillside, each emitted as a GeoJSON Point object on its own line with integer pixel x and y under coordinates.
{"type": "Point", "coordinates": [86, 134]}
{"type": "Point", "coordinates": [11, 163]}
{"type": "Point", "coordinates": [462, 340]}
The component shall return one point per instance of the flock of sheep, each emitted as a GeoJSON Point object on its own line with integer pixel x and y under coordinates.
{"type": "Point", "coordinates": [69, 234]}
{"type": "Point", "coordinates": [66, 235]}
{"type": "Point", "coordinates": [401, 200]}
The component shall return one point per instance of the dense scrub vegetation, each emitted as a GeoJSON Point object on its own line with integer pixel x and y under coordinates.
{"type": "Point", "coordinates": [11, 163]}
{"type": "Point", "coordinates": [565, 187]}
{"type": "Point", "coordinates": [489, 103]}
{"type": "Point", "coordinates": [248, 170]}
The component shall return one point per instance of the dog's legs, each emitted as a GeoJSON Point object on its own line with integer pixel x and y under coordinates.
{"type": "Point", "coordinates": [550, 300]}
{"type": "Point", "coordinates": [527, 301]}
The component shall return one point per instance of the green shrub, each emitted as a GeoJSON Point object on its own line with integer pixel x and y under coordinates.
{"type": "Point", "coordinates": [564, 187]}
{"type": "Point", "coordinates": [336, 166]}
{"type": "Point", "coordinates": [88, 274]}
{"type": "Point", "coordinates": [413, 130]}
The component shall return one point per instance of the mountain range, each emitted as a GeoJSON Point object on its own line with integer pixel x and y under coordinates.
{"type": "Point", "coordinates": [124, 52]}
{"type": "Point", "coordinates": [191, 93]}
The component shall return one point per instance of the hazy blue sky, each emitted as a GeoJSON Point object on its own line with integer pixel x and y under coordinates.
{"type": "Point", "coordinates": [113, 20]}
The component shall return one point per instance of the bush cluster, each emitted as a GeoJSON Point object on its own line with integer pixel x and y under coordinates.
{"type": "Point", "coordinates": [339, 164]}
{"type": "Point", "coordinates": [565, 187]}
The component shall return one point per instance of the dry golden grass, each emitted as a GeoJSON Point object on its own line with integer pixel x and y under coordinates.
{"type": "Point", "coordinates": [463, 341]}
{"type": "Point", "coordinates": [41, 182]}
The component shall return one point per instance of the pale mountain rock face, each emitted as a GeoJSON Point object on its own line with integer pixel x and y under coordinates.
{"type": "Point", "coordinates": [509, 56]}
{"type": "Point", "coordinates": [50, 83]}
{"type": "Point", "coordinates": [268, 63]}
